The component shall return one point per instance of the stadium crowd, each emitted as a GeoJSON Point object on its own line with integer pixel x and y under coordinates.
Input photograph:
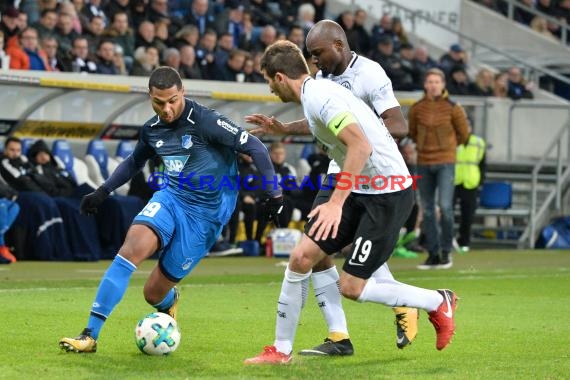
{"type": "Point", "coordinates": [217, 40]}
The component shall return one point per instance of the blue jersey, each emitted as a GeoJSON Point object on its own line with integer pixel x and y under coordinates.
{"type": "Point", "coordinates": [199, 155]}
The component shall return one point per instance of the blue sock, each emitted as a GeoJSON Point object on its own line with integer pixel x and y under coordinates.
{"type": "Point", "coordinates": [167, 302]}
{"type": "Point", "coordinates": [111, 289]}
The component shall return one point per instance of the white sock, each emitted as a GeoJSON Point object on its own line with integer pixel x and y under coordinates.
{"type": "Point", "coordinates": [329, 299]}
{"type": "Point", "coordinates": [393, 293]}
{"type": "Point", "coordinates": [291, 300]}
{"type": "Point", "coordinates": [383, 274]}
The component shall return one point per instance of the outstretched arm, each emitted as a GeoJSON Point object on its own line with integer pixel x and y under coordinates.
{"type": "Point", "coordinates": [272, 126]}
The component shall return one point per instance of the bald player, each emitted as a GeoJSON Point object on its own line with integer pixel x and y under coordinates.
{"type": "Point", "coordinates": [366, 79]}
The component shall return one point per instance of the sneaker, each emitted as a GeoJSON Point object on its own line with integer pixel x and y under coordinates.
{"type": "Point", "coordinates": [442, 319]}
{"type": "Point", "coordinates": [432, 262]}
{"type": "Point", "coordinates": [82, 343]}
{"type": "Point", "coordinates": [270, 355]}
{"type": "Point", "coordinates": [329, 348]}
{"type": "Point", "coordinates": [406, 325]}
{"type": "Point", "coordinates": [5, 253]}
{"type": "Point", "coordinates": [172, 310]}
{"type": "Point", "coordinates": [404, 253]}
{"type": "Point", "coordinates": [445, 262]}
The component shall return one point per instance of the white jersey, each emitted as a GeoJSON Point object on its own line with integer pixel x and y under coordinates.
{"type": "Point", "coordinates": [367, 80]}
{"type": "Point", "coordinates": [324, 100]}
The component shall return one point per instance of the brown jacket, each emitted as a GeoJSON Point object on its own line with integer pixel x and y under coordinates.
{"type": "Point", "coordinates": [437, 126]}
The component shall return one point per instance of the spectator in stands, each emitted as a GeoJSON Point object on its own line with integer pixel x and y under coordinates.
{"type": "Point", "coordinates": [540, 25]}
{"type": "Point", "coordinates": [297, 36]}
{"type": "Point", "coordinates": [9, 210]}
{"type": "Point", "coordinates": [4, 58]}
{"type": "Point", "coordinates": [65, 33]}
{"type": "Point", "coordinates": [233, 22]}
{"type": "Point", "coordinates": [252, 74]}
{"type": "Point", "coordinates": [267, 37]}
{"type": "Point", "coordinates": [522, 15]}
{"type": "Point", "coordinates": [171, 58]}
{"type": "Point", "coordinates": [346, 21]}
{"type": "Point", "coordinates": [53, 180]}
{"type": "Point", "coordinates": [119, 61]}
{"type": "Point", "coordinates": [400, 33]}
{"type": "Point", "coordinates": [146, 60]}
{"type": "Point", "coordinates": [518, 88]}
{"type": "Point", "coordinates": [29, 55]}
{"type": "Point", "coordinates": [67, 7]}
{"type": "Point", "coordinates": [189, 68]}
{"type": "Point", "coordinates": [305, 17]}
{"type": "Point", "coordinates": [545, 6]}
{"type": "Point", "coordinates": [286, 175]}
{"type": "Point", "coordinates": [94, 33]}
{"type": "Point", "coordinates": [483, 84]}
{"type": "Point", "coordinates": [146, 36]}
{"type": "Point", "coordinates": [423, 61]}
{"type": "Point", "coordinates": [161, 27]}
{"type": "Point", "coordinates": [360, 17]}
{"type": "Point", "coordinates": [92, 9]}
{"type": "Point", "coordinates": [80, 60]}
{"type": "Point", "coordinates": [47, 22]}
{"type": "Point", "coordinates": [9, 26]}
{"type": "Point", "coordinates": [49, 45]}
{"type": "Point", "coordinates": [138, 13]}
{"type": "Point", "coordinates": [223, 49]}
{"type": "Point", "coordinates": [121, 34]}
{"type": "Point", "coordinates": [469, 176]}
{"type": "Point", "coordinates": [437, 125]}
{"type": "Point", "coordinates": [385, 56]}
{"type": "Point", "coordinates": [106, 58]}
{"type": "Point", "coordinates": [262, 14]}
{"type": "Point", "coordinates": [500, 86]}
{"type": "Point", "coordinates": [409, 65]}
{"type": "Point", "coordinates": [188, 35]}
{"type": "Point", "coordinates": [249, 35]}
{"type": "Point", "coordinates": [458, 83]}
{"type": "Point", "coordinates": [201, 17]}
{"type": "Point", "coordinates": [117, 6]}
{"type": "Point", "coordinates": [205, 55]}
{"type": "Point", "coordinates": [384, 28]}
{"type": "Point", "coordinates": [232, 71]}
{"type": "Point", "coordinates": [456, 56]}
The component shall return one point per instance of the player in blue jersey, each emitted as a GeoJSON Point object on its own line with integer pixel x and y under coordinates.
{"type": "Point", "coordinates": [181, 222]}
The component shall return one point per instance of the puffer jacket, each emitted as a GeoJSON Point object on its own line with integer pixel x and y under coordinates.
{"type": "Point", "coordinates": [437, 126]}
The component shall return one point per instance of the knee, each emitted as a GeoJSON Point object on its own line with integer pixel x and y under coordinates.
{"type": "Point", "coordinates": [323, 265]}
{"type": "Point", "coordinates": [350, 290]}
{"type": "Point", "coordinates": [299, 262]}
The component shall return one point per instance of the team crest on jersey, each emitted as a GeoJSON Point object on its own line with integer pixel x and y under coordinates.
{"type": "Point", "coordinates": [187, 142]}
{"type": "Point", "coordinates": [346, 84]}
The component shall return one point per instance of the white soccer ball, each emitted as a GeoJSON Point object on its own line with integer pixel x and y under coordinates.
{"type": "Point", "coordinates": [157, 334]}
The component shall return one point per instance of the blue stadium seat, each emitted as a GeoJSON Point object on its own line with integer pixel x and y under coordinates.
{"type": "Point", "coordinates": [26, 144]}
{"type": "Point", "coordinates": [496, 195]}
{"type": "Point", "coordinates": [62, 150]}
{"type": "Point", "coordinates": [97, 150]}
{"type": "Point", "coordinates": [124, 149]}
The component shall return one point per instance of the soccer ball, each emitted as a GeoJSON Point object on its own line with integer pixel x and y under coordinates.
{"type": "Point", "coordinates": [157, 334]}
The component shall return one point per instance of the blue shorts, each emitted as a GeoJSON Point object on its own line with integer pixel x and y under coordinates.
{"type": "Point", "coordinates": [185, 235]}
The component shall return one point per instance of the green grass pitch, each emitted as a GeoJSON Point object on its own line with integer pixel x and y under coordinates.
{"type": "Point", "coordinates": [513, 322]}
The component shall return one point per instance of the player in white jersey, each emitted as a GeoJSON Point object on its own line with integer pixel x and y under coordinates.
{"type": "Point", "coordinates": [367, 80]}
{"type": "Point", "coordinates": [375, 190]}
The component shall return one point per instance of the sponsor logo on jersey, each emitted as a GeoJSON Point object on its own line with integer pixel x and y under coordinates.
{"type": "Point", "coordinates": [187, 141]}
{"type": "Point", "coordinates": [227, 126]}
{"type": "Point", "coordinates": [174, 164]}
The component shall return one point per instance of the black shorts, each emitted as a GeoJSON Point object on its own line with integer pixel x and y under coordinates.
{"type": "Point", "coordinates": [372, 222]}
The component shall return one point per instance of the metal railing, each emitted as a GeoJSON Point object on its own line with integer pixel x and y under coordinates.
{"type": "Point", "coordinates": [414, 15]}
{"type": "Point", "coordinates": [537, 217]}
{"type": "Point", "coordinates": [512, 4]}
